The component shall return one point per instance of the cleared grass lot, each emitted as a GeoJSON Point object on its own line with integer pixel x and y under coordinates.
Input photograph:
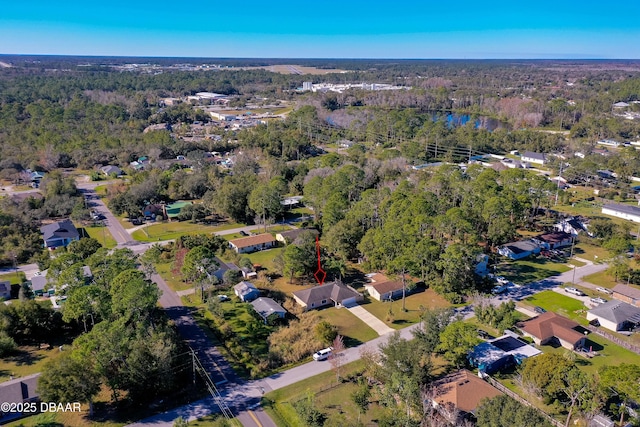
{"type": "Point", "coordinates": [173, 230]}
{"type": "Point", "coordinates": [530, 270]}
{"type": "Point", "coordinates": [563, 305]}
{"type": "Point", "coordinates": [353, 330]}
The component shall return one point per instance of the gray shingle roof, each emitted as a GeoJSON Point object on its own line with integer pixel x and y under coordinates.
{"type": "Point", "coordinates": [62, 229]}
{"type": "Point", "coordinates": [333, 291]}
{"type": "Point", "coordinates": [20, 389]}
{"type": "Point", "coordinates": [265, 307]}
{"type": "Point", "coordinates": [617, 312]}
{"type": "Point", "coordinates": [627, 291]}
{"type": "Point", "coordinates": [532, 155]}
{"type": "Point", "coordinates": [628, 209]}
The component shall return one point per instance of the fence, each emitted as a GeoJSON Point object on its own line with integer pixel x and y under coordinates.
{"type": "Point", "coordinates": [614, 339]}
{"type": "Point", "coordinates": [517, 397]}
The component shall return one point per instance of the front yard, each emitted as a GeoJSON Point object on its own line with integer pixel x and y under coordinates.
{"type": "Point", "coordinates": [391, 312]}
{"type": "Point", "coordinates": [561, 304]}
{"type": "Point", "coordinates": [175, 229]}
{"type": "Point", "coordinates": [529, 270]}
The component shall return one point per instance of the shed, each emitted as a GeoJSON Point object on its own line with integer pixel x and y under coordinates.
{"type": "Point", "coordinates": [266, 308]}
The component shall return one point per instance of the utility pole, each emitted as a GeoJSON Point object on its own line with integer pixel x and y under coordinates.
{"type": "Point", "coordinates": [558, 184]}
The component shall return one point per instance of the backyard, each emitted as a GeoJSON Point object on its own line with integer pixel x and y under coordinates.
{"type": "Point", "coordinates": [100, 233]}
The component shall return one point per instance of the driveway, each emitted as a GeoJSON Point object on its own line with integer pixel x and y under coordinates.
{"type": "Point", "coordinates": [372, 321]}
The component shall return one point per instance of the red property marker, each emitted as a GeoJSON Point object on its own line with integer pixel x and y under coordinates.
{"type": "Point", "coordinates": [320, 274]}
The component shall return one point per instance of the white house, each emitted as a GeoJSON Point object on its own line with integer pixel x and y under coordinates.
{"type": "Point", "coordinates": [531, 157]}
{"type": "Point", "coordinates": [615, 315]}
{"type": "Point", "coordinates": [253, 243]}
{"type": "Point", "coordinates": [631, 213]}
{"type": "Point", "coordinates": [609, 143]}
{"type": "Point", "coordinates": [520, 249]}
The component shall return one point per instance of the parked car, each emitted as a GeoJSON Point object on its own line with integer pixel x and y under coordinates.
{"type": "Point", "coordinates": [323, 354]}
{"type": "Point", "coordinates": [539, 310]}
{"type": "Point", "coordinates": [499, 289]}
{"type": "Point", "coordinates": [574, 291]}
{"type": "Point", "coordinates": [598, 300]}
{"type": "Point", "coordinates": [604, 290]}
{"type": "Point", "coordinates": [222, 297]}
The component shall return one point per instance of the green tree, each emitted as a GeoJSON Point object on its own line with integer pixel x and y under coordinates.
{"type": "Point", "coordinates": [503, 411]}
{"type": "Point", "coordinates": [69, 378]}
{"type": "Point", "coordinates": [456, 341]}
{"type": "Point", "coordinates": [264, 200]}
{"type": "Point", "coordinates": [360, 397]}
{"type": "Point", "coordinates": [624, 379]}
{"type": "Point", "coordinates": [84, 248]}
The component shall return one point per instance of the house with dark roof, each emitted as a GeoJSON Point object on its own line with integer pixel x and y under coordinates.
{"type": "Point", "coordinates": [59, 234]}
{"type": "Point", "coordinates": [40, 283]}
{"type": "Point", "coordinates": [521, 249]}
{"type": "Point", "coordinates": [18, 391]}
{"type": "Point", "coordinates": [573, 226]}
{"type": "Point", "coordinates": [628, 212]}
{"type": "Point", "coordinates": [558, 239]}
{"type": "Point", "coordinates": [333, 293]}
{"type": "Point", "coordinates": [111, 170]}
{"type": "Point", "coordinates": [5, 289]}
{"type": "Point", "coordinates": [268, 308]}
{"type": "Point", "coordinates": [382, 288]}
{"type": "Point", "coordinates": [550, 327]}
{"type": "Point", "coordinates": [289, 236]}
{"type": "Point", "coordinates": [615, 315]}
{"type": "Point", "coordinates": [246, 291]}
{"type": "Point", "coordinates": [628, 294]}
{"type": "Point", "coordinates": [501, 353]}
{"type": "Point", "coordinates": [253, 243]}
{"type": "Point", "coordinates": [458, 395]}
{"type": "Point", "coordinates": [531, 157]}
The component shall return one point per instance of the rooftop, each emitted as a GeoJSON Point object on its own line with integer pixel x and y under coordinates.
{"type": "Point", "coordinates": [550, 325]}
{"type": "Point", "coordinates": [259, 239]}
{"type": "Point", "coordinates": [532, 155]}
{"type": "Point", "coordinates": [521, 246]}
{"type": "Point", "coordinates": [463, 390]}
{"type": "Point", "coordinates": [627, 291]}
{"type": "Point", "coordinates": [617, 312]}
{"type": "Point", "coordinates": [61, 229]}
{"type": "Point", "coordinates": [265, 307]}
{"type": "Point", "coordinates": [628, 209]}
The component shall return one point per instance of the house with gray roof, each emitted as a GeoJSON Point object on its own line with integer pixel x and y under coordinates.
{"type": "Point", "coordinates": [520, 249]}
{"type": "Point", "coordinates": [246, 291]}
{"type": "Point", "coordinates": [332, 293]}
{"type": "Point", "coordinates": [5, 289]}
{"type": "Point", "coordinates": [631, 213]}
{"type": "Point", "coordinates": [531, 157]}
{"type": "Point", "coordinates": [18, 391]}
{"type": "Point", "coordinates": [59, 233]}
{"type": "Point", "coordinates": [266, 308]}
{"type": "Point", "coordinates": [110, 170]}
{"type": "Point", "coordinates": [615, 315]}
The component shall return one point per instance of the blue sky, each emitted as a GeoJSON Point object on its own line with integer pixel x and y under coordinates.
{"type": "Point", "coordinates": [324, 29]}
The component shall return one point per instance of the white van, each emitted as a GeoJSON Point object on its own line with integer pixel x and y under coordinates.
{"type": "Point", "coordinates": [322, 354]}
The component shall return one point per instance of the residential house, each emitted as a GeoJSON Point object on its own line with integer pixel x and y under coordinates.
{"type": "Point", "coordinates": [520, 249]}
{"type": "Point", "coordinates": [59, 233]}
{"type": "Point", "coordinates": [382, 288]}
{"type": "Point", "coordinates": [40, 283]}
{"type": "Point", "coordinates": [333, 293]}
{"type": "Point", "coordinates": [458, 395]}
{"type": "Point", "coordinates": [246, 291]}
{"type": "Point", "coordinates": [291, 202]}
{"type": "Point", "coordinates": [248, 273]}
{"type": "Point", "coordinates": [512, 164]}
{"type": "Point", "coordinates": [556, 240]}
{"type": "Point", "coordinates": [632, 213]}
{"type": "Point", "coordinates": [628, 294]}
{"type": "Point", "coordinates": [573, 226]}
{"type": "Point", "coordinates": [500, 353]}
{"type": "Point", "coordinates": [5, 289]}
{"type": "Point", "coordinates": [615, 315]}
{"type": "Point", "coordinates": [482, 265]}
{"type": "Point", "coordinates": [609, 142]}
{"type": "Point", "coordinates": [253, 243]}
{"type": "Point", "coordinates": [35, 177]}
{"type": "Point", "coordinates": [154, 211]}
{"type": "Point", "coordinates": [551, 327]}
{"type": "Point", "coordinates": [601, 421]}
{"type": "Point", "coordinates": [110, 170]}
{"type": "Point", "coordinates": [16, 392]}
{"type": "Point", "coordinates": [266, 308]}
{"type": "Point", "coordinates": [289, 236]}
{"type": "Point", "coordinates": [531, 157]}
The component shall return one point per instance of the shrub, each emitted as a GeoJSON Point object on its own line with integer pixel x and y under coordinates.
{"type": "Point", "coordinates": [7, 344]}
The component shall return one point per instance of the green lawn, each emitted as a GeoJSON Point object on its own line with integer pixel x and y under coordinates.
{"type": "Point", "coordinates": [602, 278]}
{"type": "Point", "coordinates": [26, 360]}
{"type": "Point", "coordinates": [576, 263]}
{"type": "Point", "coordinates": [530, 269]}
{"type": "Point", "coordinates": [354, 330]}
{"type": "Point", "coordinates": [590, 252]}
{"type": "Point", "coordinates": [564, 305]}
{"type": "Point", "coordinates": [100, 233]}
{"type": "Point", "coordinates": [175, 229]}
{"type": "Point", "coordinates": [265, 258]}
{"type": "Point", "coordinates": [174, 281]}
{"type": "Point", "coordinates": [414, 304]}
{"type": "Point", "coordinates": [329, 396]}
{"type": "Point", "coordinates": [16, 278]}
